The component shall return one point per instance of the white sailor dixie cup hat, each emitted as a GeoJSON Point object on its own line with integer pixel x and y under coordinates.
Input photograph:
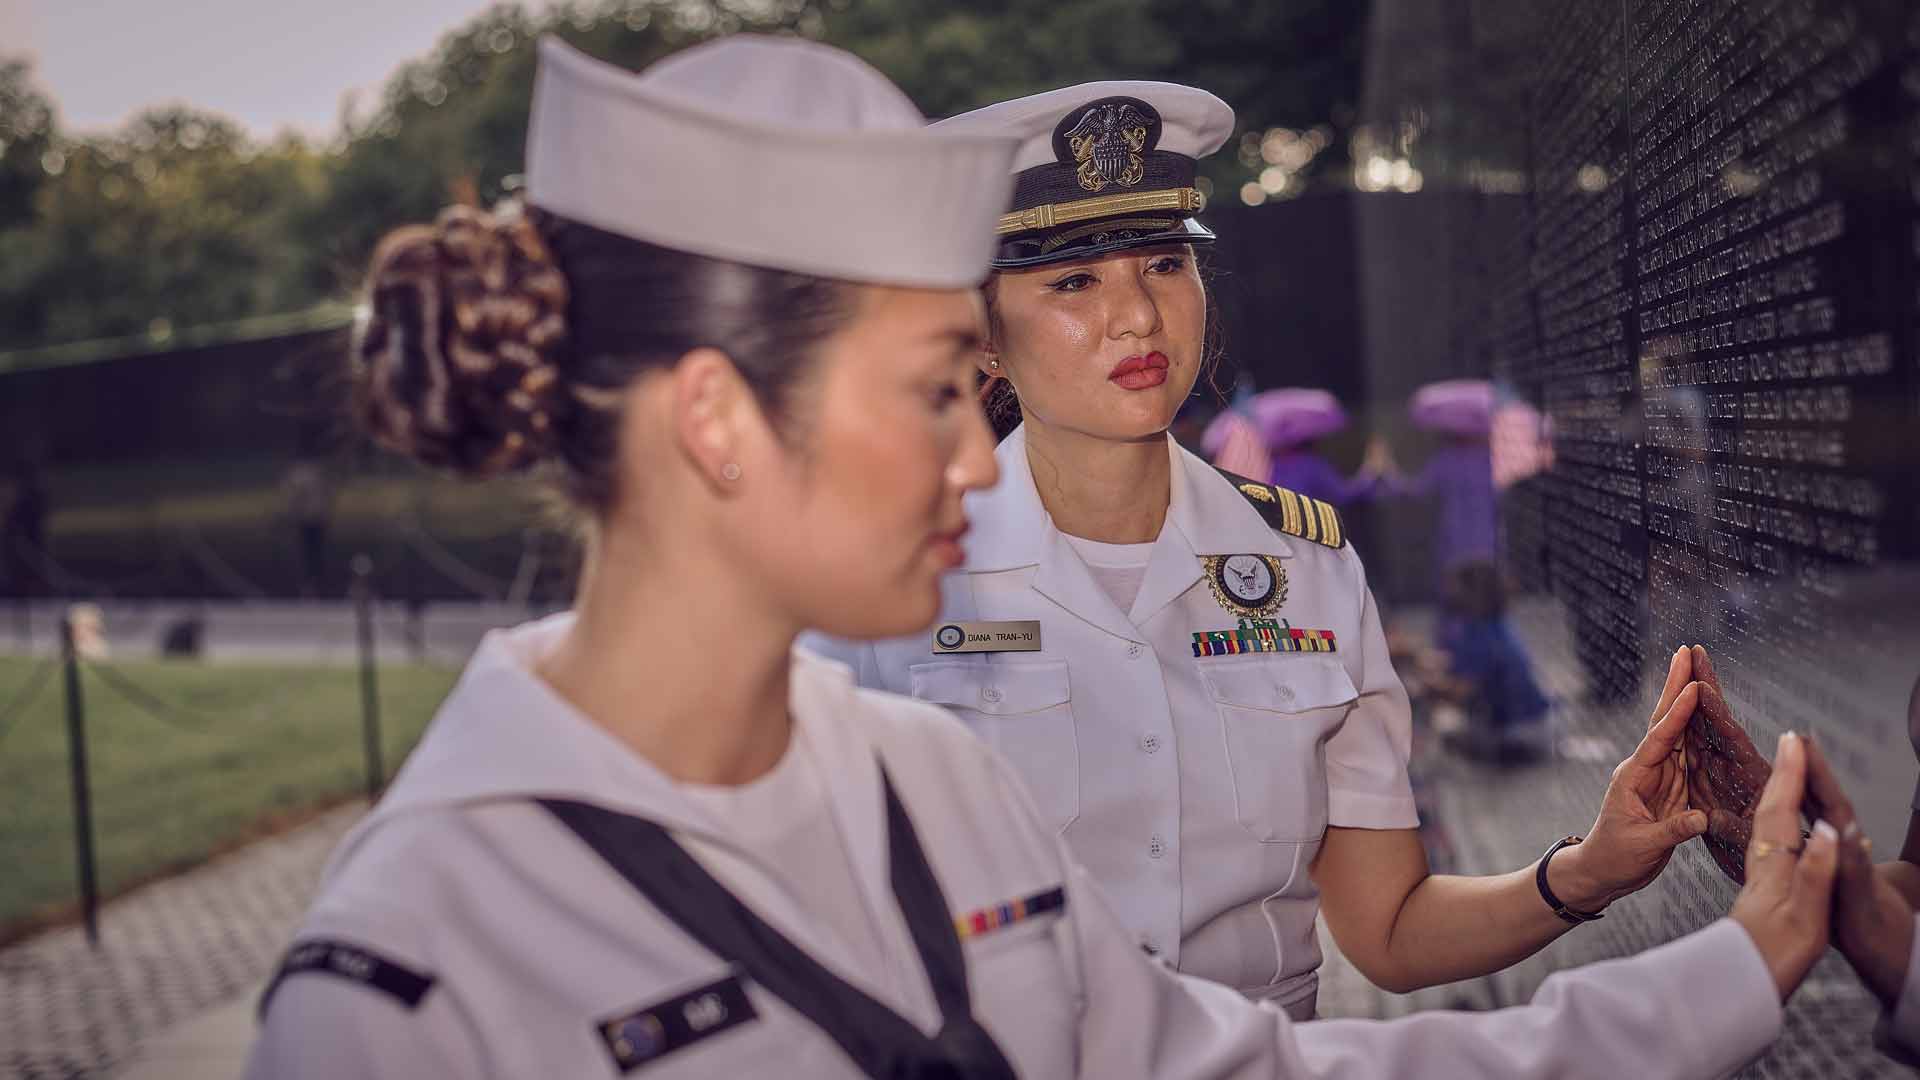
{"type": "Point", "coordinates": [769, 151]}
{"type": "Point", "coordinates": [1101, 167]}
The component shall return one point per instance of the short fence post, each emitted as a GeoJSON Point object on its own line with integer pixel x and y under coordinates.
{"type": "Point", "coordinates": [369, 687]}
{"type": "Point", "coordinates": [82, 793]}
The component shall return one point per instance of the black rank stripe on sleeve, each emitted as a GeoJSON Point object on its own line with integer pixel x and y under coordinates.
{"type": "Point", "coordinates": [647, 1034]}
{"type": "Point", "coordinates": [355, 963]}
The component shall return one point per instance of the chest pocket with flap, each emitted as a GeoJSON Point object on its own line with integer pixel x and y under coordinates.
{"type": "Point", "coordinates": [1025, 711]}
{"type": "Point", "coordinates": [1276, 713]}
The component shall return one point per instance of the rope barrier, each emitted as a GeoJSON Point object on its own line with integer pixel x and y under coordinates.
{"type": "Point", "coordinates": [194, 720]}
{"type": "Point", "coordinates": [17, 707]}
{"type": "Point", "coordinates": [527, 572]}
{"type": "Point", "coordinates": [435, 655]}
{"type": "Point", "coordinates": [148, 702]}
{"type": "Point", "coordinates": [229, 580]}
{"type": "Point", "coordinates": [218, 568]}
{"type": "Point", "coordinates": [450, 566]}
{"type": "Point", "coordinates": [67, 581]}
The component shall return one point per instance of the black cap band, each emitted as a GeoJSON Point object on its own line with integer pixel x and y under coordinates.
{"type": "Point", "coordinates": [1104, 237]}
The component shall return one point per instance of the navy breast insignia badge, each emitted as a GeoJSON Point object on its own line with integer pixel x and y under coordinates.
{"type": "Point", "coordinates": [1291, 512]}
{"type": "Point", "coordinates": [1106, 139]}
{"type": "Point", "coordinates": [1251, 586]}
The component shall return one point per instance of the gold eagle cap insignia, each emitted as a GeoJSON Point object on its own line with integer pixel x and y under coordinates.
{"type": "Point", "coordinates": [1106, 144]}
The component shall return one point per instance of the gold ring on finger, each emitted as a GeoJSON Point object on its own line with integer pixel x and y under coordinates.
{"type": "Point", "coordinates": [1764, 848]}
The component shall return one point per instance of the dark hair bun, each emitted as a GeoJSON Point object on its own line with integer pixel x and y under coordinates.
{"type": "Point", "coordinates": [458, 362]}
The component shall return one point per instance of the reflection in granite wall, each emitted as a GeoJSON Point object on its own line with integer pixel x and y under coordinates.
{"type": "Point", "coordinates": [1711, 295]}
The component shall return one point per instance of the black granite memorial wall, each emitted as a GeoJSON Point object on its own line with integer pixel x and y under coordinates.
{"type": "Point", "coordinates": [1712, 299]}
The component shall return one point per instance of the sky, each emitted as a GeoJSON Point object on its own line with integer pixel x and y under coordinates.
{"type": "Point", "coordinates": [269, 64]}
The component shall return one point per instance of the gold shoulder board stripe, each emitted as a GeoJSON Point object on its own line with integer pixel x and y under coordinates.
{"type": "Point", "coordinates": [1292, 513]}
{"type": "Point", "coordinates": [1330, 531]}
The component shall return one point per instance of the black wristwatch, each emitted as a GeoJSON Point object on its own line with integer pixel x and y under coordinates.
{"type": "Point", "coordinates": [1540, 879]}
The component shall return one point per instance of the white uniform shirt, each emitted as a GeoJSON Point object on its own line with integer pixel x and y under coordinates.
{"type": "Point", "coordinates": [783, 821]}
{"type": "Point", "coordinates": [531, 943]}
{"type": "Point", "coordinates": [1196, 789]}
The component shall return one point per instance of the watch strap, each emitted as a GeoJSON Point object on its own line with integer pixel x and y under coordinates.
{"type": "Point", "coordinates": [1546, 893]}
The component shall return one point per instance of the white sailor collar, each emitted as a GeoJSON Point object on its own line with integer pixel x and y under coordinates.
{"type": "Point", "coordinates": [1011, 528]}
{"type": "Point", "coordinates": [504, 734]}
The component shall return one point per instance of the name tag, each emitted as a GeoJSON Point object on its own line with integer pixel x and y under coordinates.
{"type": "Point", "coordinates": [965, 637]}
{"type": "Point", "coordinates": [641, 1036]}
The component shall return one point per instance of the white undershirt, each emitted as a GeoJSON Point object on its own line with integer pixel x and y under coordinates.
{"type": "Point", "coordinates": [1117, 568]}
{"type": "Point", "coordinates": [785, 826]}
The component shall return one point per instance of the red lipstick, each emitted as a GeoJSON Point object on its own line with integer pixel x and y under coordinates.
{"type": "Point", "coordinates": [1140, 372]}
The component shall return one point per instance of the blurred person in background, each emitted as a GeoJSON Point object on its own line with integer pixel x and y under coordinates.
{"type": "Point", "coordinates": [1292, 420]}
{"type": "Point", "coordinates": [1458, 476]}
{"type": "Point", "coordinates": [1188, 669]}
{"type": "Point", "coordinates": [648, 832]}
{"type": "Point", "coordinates": [1483, 669]}
{"type": "Point", "coordinates": [23, 533]}
{"type": "Point", "coordinates": [1231, 441]}
{"type": "Point", "coordinates": [309, 495]}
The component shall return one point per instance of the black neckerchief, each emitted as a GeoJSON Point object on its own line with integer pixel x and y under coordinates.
{"type": "Point", "coordinates": [880, 1041]}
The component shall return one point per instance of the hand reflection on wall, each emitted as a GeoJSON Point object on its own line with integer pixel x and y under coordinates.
{"type": "Point", "coordinates": [1725, 773]}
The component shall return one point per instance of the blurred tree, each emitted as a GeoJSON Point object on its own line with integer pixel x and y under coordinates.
{"type": "Point", "coordinates": [1294, 65]}
{"type": "Point", "coordinates": [26, 133]}
{"type": "Point", "coordinates": [175, 220]}
{"type": "Point", "coordinates": [179, 219]}
{"type": "Point", "coordinates": [452, 127]}
{"type": "Point", "coordinates": [950, 57]}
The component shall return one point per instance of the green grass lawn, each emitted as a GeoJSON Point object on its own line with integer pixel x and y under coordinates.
{"type": "Point", "coordinates": [255, 744]}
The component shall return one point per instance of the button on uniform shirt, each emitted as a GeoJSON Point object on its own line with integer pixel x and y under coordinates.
{"type": "Point", "coordinates": [1196, 789]}
{"type": "Point", "coordinates": [510, 948]}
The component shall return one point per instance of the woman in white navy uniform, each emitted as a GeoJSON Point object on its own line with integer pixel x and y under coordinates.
{"type": "Point", "coordinates": [649, 836]}
{"type": "Point", "coordinates": [1187, 667]}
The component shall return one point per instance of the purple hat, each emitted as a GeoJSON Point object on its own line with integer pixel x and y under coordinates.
{"type": "Point", "coordinates": [1455, 407]}
{"type": "Point", "coordinates": [1294, 415]}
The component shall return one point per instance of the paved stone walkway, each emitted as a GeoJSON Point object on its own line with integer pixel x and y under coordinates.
{"type": "Point", "coordinates": [168, 952]}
